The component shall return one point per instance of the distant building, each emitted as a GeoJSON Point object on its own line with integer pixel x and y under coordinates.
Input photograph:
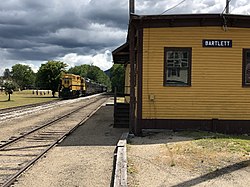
{"type": "Point", "coordinates": [188, 72]}
{"type": "Point", "coordinates": [2, 88]}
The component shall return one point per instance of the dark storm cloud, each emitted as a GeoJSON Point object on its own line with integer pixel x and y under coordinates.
{"type": "Point", "coordinates": [75, 30]}
{"type": "Point", "coordinates": [64, 25]}
{"type": "Point", "coordinates": [55, 22]}
{"type": "Point", "coordinates": [12, 43]}
{"type": "Point", "coordinates": [112, 13]}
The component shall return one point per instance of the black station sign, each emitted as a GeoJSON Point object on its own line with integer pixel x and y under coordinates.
{"type": "Point", "coordinates": [217, 43]}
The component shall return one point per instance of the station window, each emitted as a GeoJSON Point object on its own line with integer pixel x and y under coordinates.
{"type": "Point", "coordinates": [246, 67]}
{"type": "Point", "coordinates": [177, 68]}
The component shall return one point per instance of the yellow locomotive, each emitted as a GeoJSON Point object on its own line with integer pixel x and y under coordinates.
{"type": "Point", "coordinates": [72, 86]}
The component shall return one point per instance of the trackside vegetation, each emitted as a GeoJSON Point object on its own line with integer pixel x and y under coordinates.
{"type": "Point", "coordinates": [21, 77]}
{"type": "Point", "coordinates": [24, 97]}
{"type": "Point", "coordinates": [49, 74]}
{"type": "Point", "coordinates": [219, 142]}
{"type": "Point", "coordinates": [117, 76]}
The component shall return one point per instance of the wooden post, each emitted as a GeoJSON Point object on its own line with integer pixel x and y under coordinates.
{"type": "Point", "coordinates": [132, 79]}
{"type": "Point", "coordinates": [115, 106]}
{"type": "Point", "coordinates": [115, 96]}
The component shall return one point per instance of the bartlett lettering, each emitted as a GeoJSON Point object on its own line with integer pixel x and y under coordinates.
{"type": "Point", "coordinates": [217, 43]}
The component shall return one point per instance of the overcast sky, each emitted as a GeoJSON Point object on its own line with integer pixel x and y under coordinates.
{"type": "Point", "coordinates": [80, 31]}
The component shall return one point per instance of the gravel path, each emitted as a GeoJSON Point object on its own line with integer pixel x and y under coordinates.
{"type": "Point", "coordinates": [85, 158]}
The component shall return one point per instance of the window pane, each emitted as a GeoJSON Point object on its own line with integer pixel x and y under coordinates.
{"type": "Point", "coordinates": [248, 55]}
{"type": "Point", "coordinates": [247, 73]}
{"type": "Point", "coordinates": [170, 55]}
{"type": "Point", "coordinates": [170, 63]}
{"type": "Point", "coordinates": [177, 76]}
{"type": "Point", "coordinates": [246, 67]}
{"type": "Point", "coordinates": [176, 55]}
{"type": "Point", "coordinates": [177, 63]}
{"type": "Point", "coordinates": [185, 55]}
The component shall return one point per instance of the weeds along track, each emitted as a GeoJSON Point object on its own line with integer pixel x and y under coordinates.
{"type": "Point", "coordinates": [19, 153]}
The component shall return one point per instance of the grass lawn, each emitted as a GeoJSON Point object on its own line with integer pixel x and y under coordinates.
{"type": "Point", "coordinates": [19, 98]}
{"type": "Point", "coordinates": [220, 142]}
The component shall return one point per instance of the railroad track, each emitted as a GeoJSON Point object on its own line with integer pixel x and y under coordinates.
{"type": "Point", "coordinates": [8, 110]}
{"type": "Point", "coordinates": [19, 153]}
{"type": "Point", "coordinates": [13, 112]}
{"type": "Point", "coordinates": [9, 113]}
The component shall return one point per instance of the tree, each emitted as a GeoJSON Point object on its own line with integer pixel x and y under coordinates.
{"type": "Point", "coordinates": [94, 73]}
{"type": "Point", "coordinates": [7, 74]}
{"type": "Point", "coordinates": [49, 74]}
{"type": "Point", "coordinates": [23, 75]}
{"type": "Point", "coordinates": [81, 70]}
{"type": "Point", "coordinates": [9, 88]}
{"type": "Point", "coordinates": [117, 76]}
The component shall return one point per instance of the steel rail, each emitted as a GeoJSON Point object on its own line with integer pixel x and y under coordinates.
{"type": "Point", "coordinates": [6, 110]}
{"type": "Point", "coordinates": [12, 179]}
{"type": "Point", "coordinates": [42, 126]}
{"type": "Point", "coordinates": [48, 104]}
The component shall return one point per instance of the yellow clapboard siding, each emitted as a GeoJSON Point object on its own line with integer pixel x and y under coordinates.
{"type": "Point", "coordinates": [216, 90]}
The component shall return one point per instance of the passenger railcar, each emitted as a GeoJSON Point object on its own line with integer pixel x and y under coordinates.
{"type": "Point", "coordinates": [93, 87]}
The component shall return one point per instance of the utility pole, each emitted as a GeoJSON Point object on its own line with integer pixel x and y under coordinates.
{"type": "Point", "coordinates": [227, 6]}
{"type": "Point", "coordinates": [131, 7]}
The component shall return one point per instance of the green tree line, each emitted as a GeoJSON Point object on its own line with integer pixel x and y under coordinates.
{"type": "Point", "coordinates": [91, 72]}
{"type": "Point", "coordinates": [48, 76]}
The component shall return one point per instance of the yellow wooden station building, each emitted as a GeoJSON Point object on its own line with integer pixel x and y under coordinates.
{"type": "Point", "coordinates": [188, 71]}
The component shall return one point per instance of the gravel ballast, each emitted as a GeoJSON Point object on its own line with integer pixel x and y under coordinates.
{"type": "Point", "coordinates": [85, 158]}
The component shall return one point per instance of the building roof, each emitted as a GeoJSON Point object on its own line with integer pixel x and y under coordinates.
{"type": "Point", "coordinates": [121, 54]}
{"type": "Point", "coordinates": [190, 20]}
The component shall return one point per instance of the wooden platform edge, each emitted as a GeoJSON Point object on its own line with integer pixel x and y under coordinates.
{"type": "Point", "coordinates": [120, 175]}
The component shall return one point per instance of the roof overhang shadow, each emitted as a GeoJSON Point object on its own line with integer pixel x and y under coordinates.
{"type": "Point", "coordinates": [121, 54]}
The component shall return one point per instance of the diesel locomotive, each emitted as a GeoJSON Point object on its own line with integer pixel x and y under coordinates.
{"type": "Point", "coordinates": [72, 86]}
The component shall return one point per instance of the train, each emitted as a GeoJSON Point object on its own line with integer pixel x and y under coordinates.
{"type": "Point", "coordinates": [72, 86]}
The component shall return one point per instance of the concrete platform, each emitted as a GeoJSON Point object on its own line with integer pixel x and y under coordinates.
{"type": "Point", "coordinates": [85, 158]}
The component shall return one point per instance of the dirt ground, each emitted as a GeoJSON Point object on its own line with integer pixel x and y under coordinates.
{"type": "Point", "coordinates": [188, 159]}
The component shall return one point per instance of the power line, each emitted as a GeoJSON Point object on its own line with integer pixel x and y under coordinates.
{"type": "Point", "coordinates": [223, 16]}
{"type": "Point", "coordinates": [173, 7]}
